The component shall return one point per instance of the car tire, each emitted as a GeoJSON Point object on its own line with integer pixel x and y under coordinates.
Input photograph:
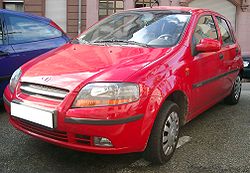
{"type": "Point", "coordinates": [164, 135]}
{"type": "Point", "coordinates": [234, 96]}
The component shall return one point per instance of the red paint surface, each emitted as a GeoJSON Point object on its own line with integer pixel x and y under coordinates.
{"type": "Point", "coordinates": [158, 71]}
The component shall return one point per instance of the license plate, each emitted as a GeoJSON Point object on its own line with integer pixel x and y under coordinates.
{"type": "Point", "coordinates": [35, 115]}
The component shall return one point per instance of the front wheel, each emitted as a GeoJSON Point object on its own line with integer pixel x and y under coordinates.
{"type": "Point", "coordinates": [164, 135]}
{"type": "Point", "coordinates": [234, 96]}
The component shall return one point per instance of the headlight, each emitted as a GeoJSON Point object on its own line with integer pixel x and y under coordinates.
{"type": "Point", "coordinates": [14, 79]}
{"type": "Point", "coordinates": [246, 63]}
{"type": "Point", "coordinates": [106, 94]}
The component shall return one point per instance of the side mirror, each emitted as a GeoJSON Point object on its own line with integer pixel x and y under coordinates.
{"type": "Point", "coordinates": [208, 45]}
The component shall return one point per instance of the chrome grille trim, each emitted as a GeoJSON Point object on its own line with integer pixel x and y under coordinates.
{"type": "Point", "coordinates": [43, 90]}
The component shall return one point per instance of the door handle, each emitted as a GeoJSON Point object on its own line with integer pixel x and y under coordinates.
{"type": "Point", "coordinates": [221, 56]}
{"type": "Point", "coordinates": [4, 53]}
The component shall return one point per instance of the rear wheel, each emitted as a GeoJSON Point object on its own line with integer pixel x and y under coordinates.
{"type": "Point", "coordinates": [164, 135]}
{"type": "Point", "coordinates": [234, 96]}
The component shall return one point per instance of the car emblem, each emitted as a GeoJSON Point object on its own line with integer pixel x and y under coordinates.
{"type": "Point", "coordinates": [46, 79]}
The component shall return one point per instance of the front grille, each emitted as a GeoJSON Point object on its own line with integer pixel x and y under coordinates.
{"type": "Point", "coordinates": [37, 129]}
{"type": "Point", "coordinates": [48, 92]}
{"type": "Point", "coordinates": [83, 140]}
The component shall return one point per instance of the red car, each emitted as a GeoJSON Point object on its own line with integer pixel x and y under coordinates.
{"type": "Point", "coordinates": [128, 83]}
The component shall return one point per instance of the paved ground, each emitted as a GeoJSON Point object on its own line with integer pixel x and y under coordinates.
{"type": "Point", "coordinates": [220, 142]}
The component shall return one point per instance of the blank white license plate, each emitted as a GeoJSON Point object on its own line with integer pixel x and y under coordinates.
{"type": "Point", "coordinates": [35, 115]}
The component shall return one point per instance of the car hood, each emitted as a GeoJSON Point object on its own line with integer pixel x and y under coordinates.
{"type": "Point", "coordinates": [73, 64]}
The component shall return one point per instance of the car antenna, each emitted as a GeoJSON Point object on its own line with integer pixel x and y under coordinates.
{"type": "Point", "coordinates": [156, 2]}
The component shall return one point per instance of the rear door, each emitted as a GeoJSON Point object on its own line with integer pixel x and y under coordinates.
{"type": "Point", "coordinates": [230, 53]}
{"type": "Point", "coordinates": [206, 66]}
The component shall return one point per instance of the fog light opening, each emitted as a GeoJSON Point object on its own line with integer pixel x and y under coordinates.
{"type": "Point", "coordinates": [102, 142]}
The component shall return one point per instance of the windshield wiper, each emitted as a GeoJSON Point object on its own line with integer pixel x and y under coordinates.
{"type": "Point", "coordinates": [78, 41]}
{"type": "Point", "coordinates": [122, 41]}
{"type": "Point", "coordinates": [75, 41]}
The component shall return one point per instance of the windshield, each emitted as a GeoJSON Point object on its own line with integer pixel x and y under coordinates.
{"type": "Point", "coordinates": [142, 28]}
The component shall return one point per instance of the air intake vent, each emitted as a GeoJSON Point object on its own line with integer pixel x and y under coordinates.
{"type": "Point", "coordinates": [83, 139]}
{"type": "Point", "coordinates": [43, 91]}
{"type": "Point", "coordinates": [35, 128]}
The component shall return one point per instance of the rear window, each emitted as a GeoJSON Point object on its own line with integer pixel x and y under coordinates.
{"type": "Point", "coordinates": [25, 30]}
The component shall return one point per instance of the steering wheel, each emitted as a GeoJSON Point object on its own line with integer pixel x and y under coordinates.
{"type": "Point", "coordinates": [166, 37]}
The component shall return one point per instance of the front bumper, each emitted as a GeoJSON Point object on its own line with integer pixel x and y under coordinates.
{"type": "Point", "coordinates": [78, 133]}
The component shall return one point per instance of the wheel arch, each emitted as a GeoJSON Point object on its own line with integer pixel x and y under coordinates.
{"type": "Point", "coordinates": [241, 73]}
{"type": "Point", "coordinates": [181, 99]}
{"type": "Point", "coordinates": [177, 96]}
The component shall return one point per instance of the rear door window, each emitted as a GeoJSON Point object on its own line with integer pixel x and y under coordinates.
{"type": "Point", "coordinates": [25, 30]}
{"type": "Point", "coordinates": [226, 35]}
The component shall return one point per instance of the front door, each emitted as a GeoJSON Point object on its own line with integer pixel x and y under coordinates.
{"type": "Point", "coordinates": [206, 67]}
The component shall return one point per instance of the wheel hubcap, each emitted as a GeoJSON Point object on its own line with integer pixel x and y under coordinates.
{"type": "Point", "coordinates": [170, 133]}
{"type": "Point", "coordinates": [237, 88]}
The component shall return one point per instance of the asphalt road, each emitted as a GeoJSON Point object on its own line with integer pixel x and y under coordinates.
{"type": "Point", "coordinates": [220, 142]}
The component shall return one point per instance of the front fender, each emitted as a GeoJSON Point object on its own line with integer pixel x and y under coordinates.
{"type": "Point", "coordinates": [158, 96]}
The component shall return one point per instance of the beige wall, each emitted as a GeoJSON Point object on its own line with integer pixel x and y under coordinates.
{"type": "Point", "coordinates": [244, 31]}
{"type": "Point", "coordinates": [90, 15]}
{"type": "Point", "coordinates": [92, 12]}
{"type": "Point", "coordinates": [38, 7]}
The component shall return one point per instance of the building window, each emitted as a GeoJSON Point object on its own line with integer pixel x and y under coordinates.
{"type": "Point", "coordinates": [143, 3]}
{"type": "Point", "coordinates": [13, 5]}
{"type": "Point", "coordinates": [108, 7]}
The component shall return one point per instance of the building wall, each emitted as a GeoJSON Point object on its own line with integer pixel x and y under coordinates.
{"type": "Point", "coordinates": [57, 7]}
{"type": "Point", "coordinates": [38, 7]}
{"type": "Point", "coordinates": [35, 7]}
{"type": "Point", "coordinates": [244, 32]}
{"type": "Point", "coordinates": [72, 17]}
{"type": "Point", "coordinates": [89, 15]}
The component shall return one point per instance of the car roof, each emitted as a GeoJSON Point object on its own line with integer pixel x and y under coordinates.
{"type": "Point", "coordinates": [176, 8]}
{"type": "Point", "coordinates": [23, 14]}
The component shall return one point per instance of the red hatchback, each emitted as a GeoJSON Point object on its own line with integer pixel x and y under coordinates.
{"type": "Point", "coordinates": [128, 83]}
